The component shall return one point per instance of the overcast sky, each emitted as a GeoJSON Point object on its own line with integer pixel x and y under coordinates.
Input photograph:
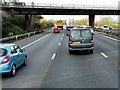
{"type": "Point", "coordinates": [80, 2]}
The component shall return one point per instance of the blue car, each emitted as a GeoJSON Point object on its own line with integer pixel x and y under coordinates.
{"type": "Point", "coordinates": [11, 57]}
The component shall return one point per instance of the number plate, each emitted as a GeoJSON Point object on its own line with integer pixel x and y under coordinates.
{"type": "Point", "coordinates": [76, 42]}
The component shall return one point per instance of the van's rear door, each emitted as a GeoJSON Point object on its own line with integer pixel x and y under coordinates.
{"type": "Point", "coordinates": [86, 36]}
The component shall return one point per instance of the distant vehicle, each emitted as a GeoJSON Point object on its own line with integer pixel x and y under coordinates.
{"type": "Point", "coordinates": [69, 23]}
{"type": "Point", "coordinates": [56, 30]}
{"type": "Point", "coordinates": [105, 27]}
{"type": "Point", "coordinates": [11, 57]}
{"type": "Point", "coordinates": [80, 39]}
{"type": "Point", "coordinates": [64, 27]}
{"type": "Point", "coordinates": [110, 27]}
{"type": "Point", "coordinates": [60, 24]}
{"type": "Point", "coordinates": [90, 27]}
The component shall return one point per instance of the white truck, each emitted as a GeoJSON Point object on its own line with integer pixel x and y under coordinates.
{"type": "Point", "coordinates": [69, 23]}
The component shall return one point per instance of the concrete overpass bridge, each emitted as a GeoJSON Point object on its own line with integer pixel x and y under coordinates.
{"type": "Point", "coordinates": [30, 9]}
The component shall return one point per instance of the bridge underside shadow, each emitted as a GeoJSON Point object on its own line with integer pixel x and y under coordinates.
{"type": "Point", "coordinates": [91, 20]}
{"type": "Point", "coordinates": [29, 20]}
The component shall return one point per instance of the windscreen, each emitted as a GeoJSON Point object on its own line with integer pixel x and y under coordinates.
{"type": "Point", "coordinates": [106, 27]}
{"type": "Point", "coordinates": [86, 34]}
{"type": "Point", "coordinates": [55, 28]}
{"type": "Point", "coordinates": [3, 52]}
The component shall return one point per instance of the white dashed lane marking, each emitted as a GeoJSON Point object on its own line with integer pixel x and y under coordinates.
{"type": "Point", "coordinates": [59, 44]}
{"type": "Point", "coordinates": [46, 70]}
{"type": "Point", "coordinates": [61, 38]}
{"type": "Point", "coordinates": [104, 55]}
{"type": "Point", "coordinates": [53, 57]}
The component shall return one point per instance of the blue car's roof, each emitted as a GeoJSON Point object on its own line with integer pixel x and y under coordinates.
{"type": "Point", "coordinates": [6, 45]}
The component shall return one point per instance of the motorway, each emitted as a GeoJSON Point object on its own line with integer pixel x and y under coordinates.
{"type": "Point", "coordinates": [51, 66]}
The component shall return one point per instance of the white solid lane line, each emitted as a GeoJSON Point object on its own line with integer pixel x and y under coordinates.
{"type": "Point", "coordinates": [108, 37]}
{"type": "Point", "coordinates": [104, 55]}
{"type": "Point", "coordinates": [53, 56]}
{"type": "Point", "coordinates": [35, 41]}
{"type": "Point", "coordinates": [59, 44]}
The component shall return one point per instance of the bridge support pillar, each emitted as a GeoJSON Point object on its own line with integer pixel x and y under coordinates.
{"type": "Point", "coordinates": [29, 19]}
{"type": "Point", "coordinates": [91, 20]}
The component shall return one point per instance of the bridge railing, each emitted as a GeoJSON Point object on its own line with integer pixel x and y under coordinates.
{"type": "Point", "coordinates": [63, 6]}
{"type": "Point", "coordinates": [23, 35]}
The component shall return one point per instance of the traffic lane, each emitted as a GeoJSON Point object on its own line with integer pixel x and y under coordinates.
{"type": "Point", "coordinates": [109, 48]}
{"type": "Point", "coordinates": [108, 42]}
{"type": "Point", "coordinates": [81, 70]}
{"type": "Point", "coordinates": [28, 40]}
{"type": "Point", "coordinates": [33, 57]}
{"type": "Point", "coordinates": [39, 59]}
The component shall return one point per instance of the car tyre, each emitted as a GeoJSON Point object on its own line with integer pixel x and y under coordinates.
{"type": "Point", "coordinates": [70, 51]}
{"type": "Point", "coordinates": [91, 51]}
{"type": "Point", "coordinates": [25, 61]}
{"type": "Point", "coordinates": [13, 71]}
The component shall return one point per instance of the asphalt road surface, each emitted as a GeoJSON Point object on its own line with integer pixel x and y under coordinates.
{"type": "Point", "coordinates": [51, 66]}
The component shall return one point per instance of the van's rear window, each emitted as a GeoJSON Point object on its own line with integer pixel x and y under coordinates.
{"type": "Point", "coordinates": [3, 52]}
{"type": "Point", "coordinates": [75, 34]}
{"type": "Point", "coordinates": [86, 34]}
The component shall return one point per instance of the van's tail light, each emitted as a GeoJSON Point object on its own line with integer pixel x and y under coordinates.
{"type": "Point", "coordinates": [92, 41]}
{"type": "Point", "coordinates": [70, 42]}
{"type": "Point", "coordinates": [6, 59]}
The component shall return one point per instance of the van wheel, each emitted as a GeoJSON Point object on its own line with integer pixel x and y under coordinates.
{"type": "Point", "coordinates": [70, 51]}
{"type": "Point", "coordinates": [91, 51]}
{"type": "Point", "coordinates": [13, 71]}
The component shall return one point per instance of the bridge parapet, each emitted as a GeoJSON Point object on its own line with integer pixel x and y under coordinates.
{"type": "Point", "coordinates": [63, 6]}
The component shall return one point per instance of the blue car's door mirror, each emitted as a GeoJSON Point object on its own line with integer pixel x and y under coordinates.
{"type": "Point", "coordinates": [21, 50]}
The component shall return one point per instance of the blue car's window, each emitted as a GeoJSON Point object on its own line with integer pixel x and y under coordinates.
{"type": "Point", "coordinates": [13, 50]}
{"type": "Point", "coordinates": [75, 34]}
{"type": "Point", "coordinates": [86, 34]}
{"type": "Point", "coordinates": [17, 48]}
{"type": "Point", "coordinates": [3, 52]}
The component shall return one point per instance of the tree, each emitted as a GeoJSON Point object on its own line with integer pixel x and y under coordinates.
{"type": "Point", "coordinates": [104, 21]}
{"type": "Point", "coordinates": [85, 21]}
{"type": "Point", "coordinates": [12, 25]}
{"type": "Point", "coordinates": [43, 23]}
{"type": "Point", "coordinates": [81, 22]}
{"type": "Point", "coordinates": [51, 23]}
{"type": "Point", "coordinates": [78, 22]}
